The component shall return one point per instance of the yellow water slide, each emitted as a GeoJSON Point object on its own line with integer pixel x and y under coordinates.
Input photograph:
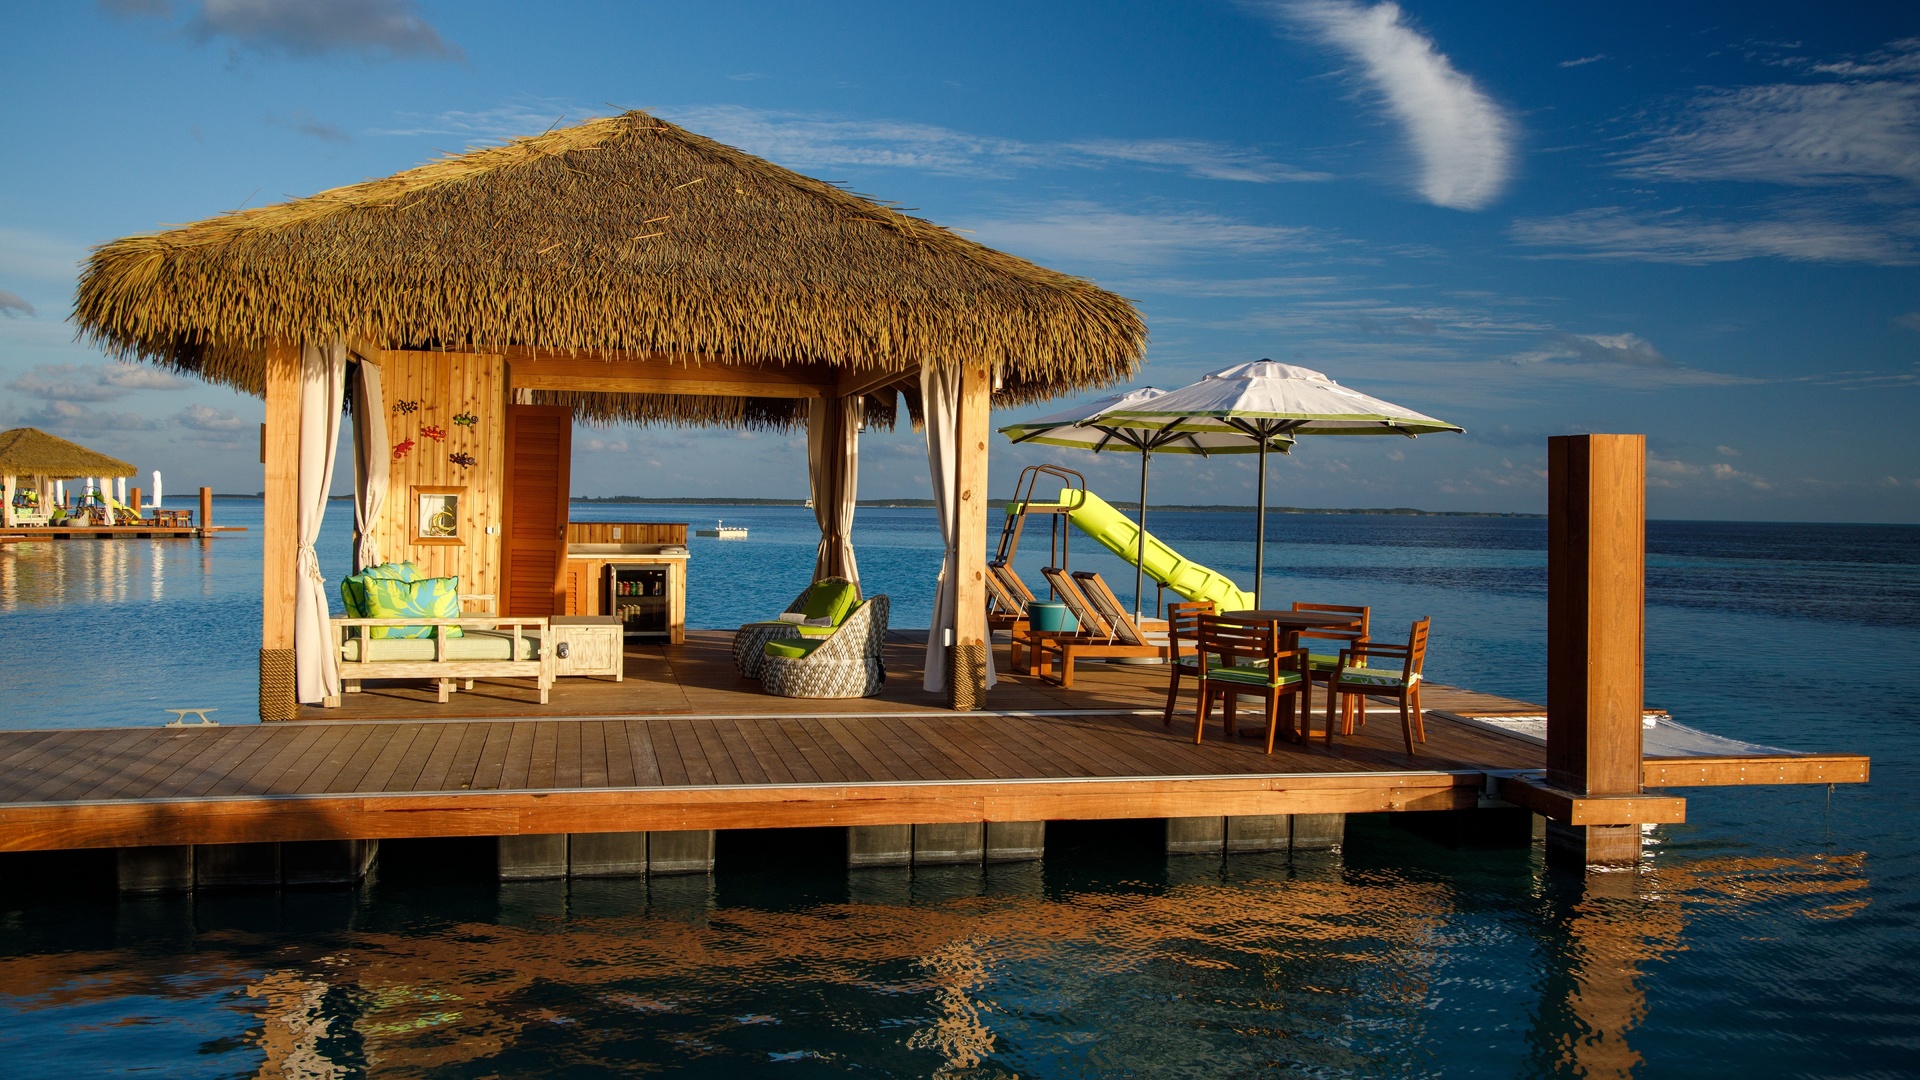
{"type": "Point", "coordinates": [1121, 535]}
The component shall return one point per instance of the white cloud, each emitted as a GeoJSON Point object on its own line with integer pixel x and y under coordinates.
{"type": "Point", "coordinates": [78, 382]}
{"type": "Point", "coordinates": [13, 305]}
{"type": "Point", "coordinates": [1630, 350]}
{"type": "Point", "coordinates": [604, 446]}
{"type": "Point", "coordinates": [1791, 134]}
{"type": "Point", "coordinates": [1088, 232]}
{"type": "Point", "coordinates": [811, 140]}
{"type": "Point", "coordinates": [1583, 61]}
{"type": "Point", "coordinates": [1461, 137]}
{"type": "Point", "coordinates": [1801, 235]}
{"type": "Point", "coordinates": [505, 122]}
{"type": "Point", "coordinates": [208, 419]}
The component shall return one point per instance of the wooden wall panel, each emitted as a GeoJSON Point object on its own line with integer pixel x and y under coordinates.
{"type": "Point", "coordinates": [442, 386]}
{"type": "Point", "coordinates": [631, 532]}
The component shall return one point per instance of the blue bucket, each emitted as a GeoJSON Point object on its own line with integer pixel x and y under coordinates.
{"type": "Point", "coordinates": [1051, 618]}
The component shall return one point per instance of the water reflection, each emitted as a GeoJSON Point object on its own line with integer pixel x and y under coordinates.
{"type": "Point", "coordinates": [1257, 963]}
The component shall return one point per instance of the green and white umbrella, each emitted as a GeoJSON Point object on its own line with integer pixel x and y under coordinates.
{"type": "Point", "coordinates": [1266, 400]}
{"type": "Point", "coordinates": [1085, 427]}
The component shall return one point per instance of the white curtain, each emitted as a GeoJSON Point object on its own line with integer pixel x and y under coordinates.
{"type": "Point", "coordinates": [833, 471]}
{"type": "Point", "coordinates": [323, 383]}
{"type": "Point", "coordinates": [940, 401]}
{"type": "Point", "coordinates": [372, 454]}
{"type": "Point", "coordinates": [156, 493]}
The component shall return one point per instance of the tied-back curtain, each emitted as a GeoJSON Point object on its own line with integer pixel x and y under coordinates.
{"type": "Point", "coordinates": [372, 455]}
{"type": "Point", "coordinates": [323, 383]}
{"type": "Point", "coordinates": [833, 471]}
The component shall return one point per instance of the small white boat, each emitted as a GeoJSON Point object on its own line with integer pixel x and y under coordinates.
{"type": "Point", "coordinates": [723, 531]}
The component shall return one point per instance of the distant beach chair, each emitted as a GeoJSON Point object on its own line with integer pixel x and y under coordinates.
{"type": "Point", "coordinates": [1098, 637]}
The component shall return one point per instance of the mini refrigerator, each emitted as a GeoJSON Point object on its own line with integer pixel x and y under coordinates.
{"type": "Point", "coordinates": [638, 596]}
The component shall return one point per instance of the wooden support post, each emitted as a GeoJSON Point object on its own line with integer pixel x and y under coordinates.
{"type": "Point", "coordinates": [1596, 631]}
{"type": "Point", "coordinates": [967, 678]}
{"type": "Point", "coordinates": [206, 493]}
{"type": "Point", "coordinates": [279, 531]}
{"type": "Point", "coordinates": [133, 501]}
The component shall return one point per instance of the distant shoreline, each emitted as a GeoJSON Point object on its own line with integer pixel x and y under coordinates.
{"type": "Point", "coordinates": [927, 504]}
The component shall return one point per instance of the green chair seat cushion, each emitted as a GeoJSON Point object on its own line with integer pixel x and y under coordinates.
{"type": "Point", "coordinates": [1356, 676]}
{"type": "Point", "coordinates": [474, 645]}
{"type": "Point", "coordinates": [1251, 676]}
{"type": "Point", "coordinates": [830, 600]}
{"type": "Point", "coordinates": [353, 590]}
{"type": "Point", "coordinates": [793, 648]}
{"type": "Point", "coordinates": [428, 598]}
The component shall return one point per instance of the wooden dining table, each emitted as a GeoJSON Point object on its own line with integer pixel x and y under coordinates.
{"type": "Point", "coordinates": [1294, 622]}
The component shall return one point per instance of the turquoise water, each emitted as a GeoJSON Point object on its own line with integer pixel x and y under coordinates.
{"type": "Point", "coordinates": [1773, 934]}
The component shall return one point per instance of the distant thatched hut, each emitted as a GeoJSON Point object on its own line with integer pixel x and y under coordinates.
{"type": "Point", "coordinates": [39, 458]}
{"type": "Point", "coordinates": [622, 270]}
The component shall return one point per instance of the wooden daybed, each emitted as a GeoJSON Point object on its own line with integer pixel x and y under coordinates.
{"type": "Point", "coordinates": [490, 647]}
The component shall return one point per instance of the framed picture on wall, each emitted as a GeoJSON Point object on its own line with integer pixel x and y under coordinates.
{"type": "Point", "coordinates": [437, 515]}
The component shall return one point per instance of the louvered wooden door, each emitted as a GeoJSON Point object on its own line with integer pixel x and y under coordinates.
{"type": "Point", "coordinates": [539, 452]}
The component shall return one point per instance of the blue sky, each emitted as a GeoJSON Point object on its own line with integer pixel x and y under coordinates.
{"type": "Point", "coordinates": [1701, 222]}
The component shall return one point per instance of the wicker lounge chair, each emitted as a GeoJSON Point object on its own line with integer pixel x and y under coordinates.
{"type": "Point", "coordinates": [845, 664]}
{"type": "Point", "coordinates": [749, 642]}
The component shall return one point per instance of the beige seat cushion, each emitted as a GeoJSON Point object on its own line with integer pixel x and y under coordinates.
{"type": "Point", "coordinates": [476, 645]}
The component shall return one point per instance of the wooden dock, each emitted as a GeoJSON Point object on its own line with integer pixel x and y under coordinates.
{"type": "Point", "coordinates": [22, 533]}
{"type": "Point", "coordinates": [684, 744]}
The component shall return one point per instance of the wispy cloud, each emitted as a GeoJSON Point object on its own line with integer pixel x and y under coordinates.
{"type": "Point", "coordinates": [1911, 320]}
{"type": "Point", "coordinates": [302, 122]}
{"type": "Point", "coordinates": [1677, 236]}
{"type": "Point", "coordinates": [1461, 137]}
{"type": "Point", "coordinates": [804, 140]}
{"type": "Point", "coordinates": [1631, 350]}
{"type": "Point", "coordinates": [370, 28]}
{"type": "Point", "coordinates": [1789, 133]}
{"type": "Point", "coordinates": [1583, 61]}
{"type": "Point", "coordinates": [509, 121]}
{"type": "Point", "coordinates": [12, 305]}
{"type": "Point", "coordinates": [98, 382]}
{"type": "Point", "coordinates": [1091, 233]}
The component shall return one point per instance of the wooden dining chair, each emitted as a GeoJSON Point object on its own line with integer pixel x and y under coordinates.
{"type": "Point", "coordinates": [1358, 678]}
{"type": "Point", "coordinates": [1324, 664]}
{"type": "Point", "coordinates": [1183, 648]}
{"type": "Point", "coordinates": [1245, 658]}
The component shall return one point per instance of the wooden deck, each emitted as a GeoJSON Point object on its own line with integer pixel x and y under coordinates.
{"type": "Point", "coordinates": [21, 533]}
{"type": "Point", "coordinates": [685, 744]}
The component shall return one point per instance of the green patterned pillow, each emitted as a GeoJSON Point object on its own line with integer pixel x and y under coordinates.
{"type": "Point", "coordinates": [430, 598]}
{"type": "Point", "coordinates": [353, 590]}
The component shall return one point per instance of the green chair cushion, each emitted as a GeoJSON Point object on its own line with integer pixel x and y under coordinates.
{"type": "Point", "coordinates": [816, 631]}
{"type": "Point", "coordinates": [1356, 676]}
{"type": "Point", "coordinates": [353, 590]}
{"type": "Point", "coordinates": [793, 648]}
{"type": "Point", "coordinates": [475, 645]}
{"type": "Point", "coordinates": [429, 598]}
{"type": "Point", "coordinates": [830, 600]}
{"type": "Point", "coordinates": [1252, 676]}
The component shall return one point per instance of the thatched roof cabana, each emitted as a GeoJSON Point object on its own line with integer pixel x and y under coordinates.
{"type": "Point", "coordinates": [31, 452]}
{"type": "Point", "coordinates": [623, 236]}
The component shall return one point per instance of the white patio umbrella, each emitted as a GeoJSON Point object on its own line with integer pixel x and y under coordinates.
{"type": "Point", "coordinates": [1084, 427]}
{"type": "Point", "coordinates": [1265, 400]}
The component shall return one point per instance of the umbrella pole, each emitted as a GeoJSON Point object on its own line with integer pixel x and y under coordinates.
{"type": "Point", "coordinates": [1140, 557]}
{"type": "Point", "coordinates": [1260, 532]}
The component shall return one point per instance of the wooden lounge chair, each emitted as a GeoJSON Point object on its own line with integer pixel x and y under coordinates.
{"type": "Point", "coordinates": [1325, 664]}
{"type": "Point", "coordinates": [1097, 637]}
{"type": "Point", "coordinates": [1246, 658]}
{"type": "Point", "coordinates": [1010, 596]}
{"type": "Point", "coordinates": [1183, 648]}
{"type": "Point", "coordinates": [1357, 678]}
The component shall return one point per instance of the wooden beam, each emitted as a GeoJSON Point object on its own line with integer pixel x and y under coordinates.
{"type": "Point", "coordinates": [1758, 769]}
{"type": "Point", "coordinates": [1596, 628]}
{"type": "Point", "coordinates": [966, 688]}
{"type": "Point", "coordinates": [280, 524]}
{"type": "Point", "coordinates": [669, 376]}
{"type": "Point", "coordinates": [1570, 808]}
{"type": "Point", "coordinates": [51, 827]}
{"type": "Point", "coordinates": [867, 381]}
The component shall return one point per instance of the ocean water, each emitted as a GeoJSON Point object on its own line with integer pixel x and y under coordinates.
{"type": "Point", "coordinates": [1773, 934]}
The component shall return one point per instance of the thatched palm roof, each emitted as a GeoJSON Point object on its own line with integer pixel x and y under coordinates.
{"type": "Point", "coordinates": [624, 233]}
{"type": "Point", "coordinates": [31, 452]}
